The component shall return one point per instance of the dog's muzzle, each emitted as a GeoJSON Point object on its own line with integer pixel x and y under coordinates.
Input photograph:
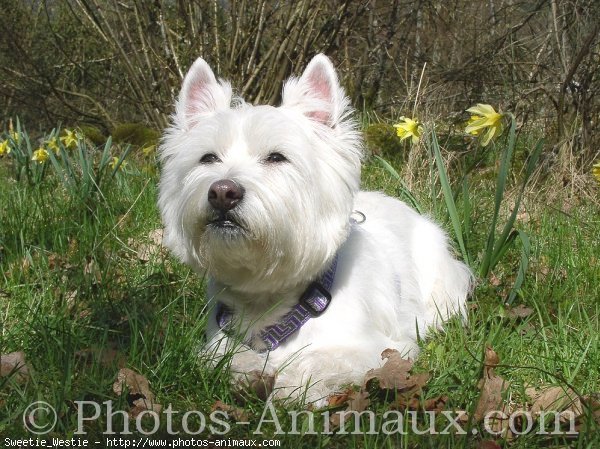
{"type": "Point", "coordinates": [224, 196]}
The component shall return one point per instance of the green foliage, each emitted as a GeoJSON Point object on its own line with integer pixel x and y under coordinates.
{"type": "Point", "coordinates": [73, 284]}
{"type": "Point", "coordinates": [21, 155]}
{"type": "Point", "coordinates": [481, 259]}
{"type": "Point", "coordinates": [135, 134]}
{"type": "Point", "coordinates": [381, 140]}
{"type": "Point", "coordinates": [83, 171]}
{"type": "Point", "coordinates": [496, 246]}
{"type": "Point", "coordinates": [86, 171]}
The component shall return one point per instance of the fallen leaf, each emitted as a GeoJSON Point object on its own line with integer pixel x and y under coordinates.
{"type": "Point", "coordinates": [554, 398]}
{"type": "Point", "coordinates": [592, 403]}
{"type": "Point", "coordinates": [150, 249]}
{"type": "Point", "coordinates": [146, 251]}
{"type": "Point", "coordinates": [256, 384]}
{"type": "Point", "coordinates": [523, 217]}
{"type": "Point", "coordinates": [395, 374]}
{"type": "Point", "coordinates": [261, 384]}
{"type": "Point", "coordinates": [494, 280]}
{"type": "Point", "coordinates": [236, 413]}
{"type": "Point", "coordinates": [436, 404]}
{"type": "Point", "coordinates": [54, 261]}
{"type": "Point", "coordinates": [141, 405]}
{"type": "Point", "coordinates": [14, 365]}
{"type": "Point", "coordinates": [358, 401]}
{"type": "Point", "coordinates": [92, 270]}
{"type": "Point", "coordinates": [519, 311]}
{"type": "Point", "coordinates": [492, 386]}
{"type": "Point", "coordinates": [339, 399]}
{"type": "Point", "coordinates": [156, 236]}
{"type": "Point", "coordinates": [140, 397]}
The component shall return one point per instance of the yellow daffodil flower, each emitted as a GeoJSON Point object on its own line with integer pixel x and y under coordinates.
{"type": "Point", "coordinates": [40, 155]}
{"type": "Point", "coordinates": [114, 161]}
{"type": "Point", "coordinates": [52, 144]}
{"type": "Point", "coordinates": [596, 171]}
{"type": "Point", "coordinates": [69, 140]}
{"type": "Point", "coordinates": [484, 117]}
{"type": "Point", "coordinates": [473, 119]}
{"type": "Point", "coordinates": [4, 148]}
{"type": "Point", "coordinates": [409, 128]}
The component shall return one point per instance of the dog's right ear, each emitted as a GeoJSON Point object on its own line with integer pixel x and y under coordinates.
{"type": "Point", "coordinates": [201, 94]}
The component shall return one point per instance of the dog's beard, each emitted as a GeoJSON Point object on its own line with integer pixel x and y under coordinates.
{"type": "Point", "coordinates": [226, 225]}
{"type": "Point", "coordinates": [234, 253]}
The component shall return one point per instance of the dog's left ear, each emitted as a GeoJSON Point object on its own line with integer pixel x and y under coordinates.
{"type": "Point", "coordinates": [317, 92]}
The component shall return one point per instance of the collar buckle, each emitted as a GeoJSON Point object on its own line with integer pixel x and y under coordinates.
{"type": "Point", "coordinates": [315, 299]}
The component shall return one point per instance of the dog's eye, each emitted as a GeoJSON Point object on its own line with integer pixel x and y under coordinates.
{"type": "Point", "coordinates": [209, 158]}
{"type": "Point", "coordinates": [275, 158]}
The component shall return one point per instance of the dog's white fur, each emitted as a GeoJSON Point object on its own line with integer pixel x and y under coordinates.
{"type": "Point", "coordinates": [395, 277]}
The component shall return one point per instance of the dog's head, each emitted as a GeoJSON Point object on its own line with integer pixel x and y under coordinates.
{"type": "Point", "coordinates": [259, 196]}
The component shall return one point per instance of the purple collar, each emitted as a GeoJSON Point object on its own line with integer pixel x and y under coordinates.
{"type": "Point", "coordinates": [313, 302]}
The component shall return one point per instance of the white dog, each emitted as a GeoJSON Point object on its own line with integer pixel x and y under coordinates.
{"type": "Point", "coordinates": [310, 279]}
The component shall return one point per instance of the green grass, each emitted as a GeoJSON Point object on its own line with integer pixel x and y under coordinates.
{"type": "Point", "coordinates": [72, 281]}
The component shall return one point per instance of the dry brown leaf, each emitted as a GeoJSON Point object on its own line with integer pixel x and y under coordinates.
{"type": "Point", "coordinates": [554, 398]}
{"type": "Point", "coordinates": [156, 236]}
{"type": "Point", "coordinates": [256, 384]}
{"type": "Point", "coordinates": [237, 413]}
{"type": "Point", "coordinates": [358, 401]}
{"type": "Point", "coordinates": [492, 386]}
{"type": "Point", "coordinates": [14, 364]}
{"type": "Point", "coordinates": [136, 383]}
{"type": "Point", "coordinates": [523, 217]}
{"type": "Point", "coordinates": [92, 270]}
{"type": "Point", "coordinates": [494, 280]}
{"type": "Point", "coordinates": [54, 261]}
{"type": "Point", "coordinates": [339, 399]}
{"type": "Point", "coordinates": [25, 264]}
{"type": "Point", "coordinates": [146, 251]}
{"type": "Point", "coordinates": [141, 405]}
{"type": "Point", "coordinates": [414, 402]}
{"type": "Point", "coordinates": [395, 373]}
{"type": "Point", "coordinates": [140, 396]}
{"type": "Point", "coordinates": [261, 384]}
{"type": "Point", "coordinates": [592, 402]}
{"type": "Point", "coordinates": [70, 297]}
{"type": "Point", "coordinates": [519, 311]}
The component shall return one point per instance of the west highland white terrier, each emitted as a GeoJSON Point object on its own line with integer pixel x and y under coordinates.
{"type": "Point", "coordinates": [310, 279]}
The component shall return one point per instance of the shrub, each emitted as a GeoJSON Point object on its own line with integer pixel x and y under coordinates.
{"type": "Point", "coordinates": [135, 134]}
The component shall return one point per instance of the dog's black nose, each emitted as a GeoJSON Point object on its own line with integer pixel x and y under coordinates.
{"type": "Point", "coordinates": [225, 194]}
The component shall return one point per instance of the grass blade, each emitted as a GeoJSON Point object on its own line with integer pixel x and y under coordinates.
{"type": "Point", "coordinates": [449, 197]}
{"type": "Point", "coordinates": [523, 265]}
